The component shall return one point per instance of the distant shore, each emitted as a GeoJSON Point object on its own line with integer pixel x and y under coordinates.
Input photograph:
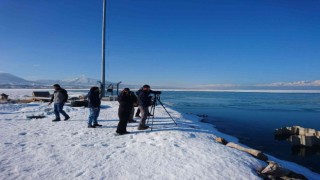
{"type": "Point", "coordinates": [186, 90]}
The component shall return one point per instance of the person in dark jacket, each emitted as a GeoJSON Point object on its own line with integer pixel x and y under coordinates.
{"type": "Point", "coordinates": [126, 100]}
{"type": "Point", "coordinates": [144, 101]}
{"type": "Point", "coordinates": [59, 97]}
{"type": "Point", "coordinates": [94, 103]}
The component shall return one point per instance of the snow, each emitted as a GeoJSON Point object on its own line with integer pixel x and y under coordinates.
{"type": "Point", "coordinates": [41, 149]}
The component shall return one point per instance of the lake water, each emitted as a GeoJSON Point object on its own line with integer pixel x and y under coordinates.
{"type": "Point", "coordinates": [253, 117]}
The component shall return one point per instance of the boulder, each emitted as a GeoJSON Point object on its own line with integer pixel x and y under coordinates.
{"type": "Point", "coordinates": [275, 171]}
{"type": "Point", "coordinates": [4, 97]}
{"type": "Point", "coordinates": [299, 136]}
{"type": "Point", "coordinates": [308, 140]}
{"type": "Point", "coordinates": [83, 103]}
{"type": "Point", "coordinates": [285, 131]}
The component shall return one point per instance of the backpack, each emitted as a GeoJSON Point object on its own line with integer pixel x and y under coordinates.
{"type": "Point", "coordinates": [65, 93]}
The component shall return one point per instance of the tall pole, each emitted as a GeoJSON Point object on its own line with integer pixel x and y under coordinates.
{"type": "Point", "coordinates": [103, 64]}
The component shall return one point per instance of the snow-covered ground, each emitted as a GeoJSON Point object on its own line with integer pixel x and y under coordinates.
{"type": "Point", "coordinates": [41, 149]}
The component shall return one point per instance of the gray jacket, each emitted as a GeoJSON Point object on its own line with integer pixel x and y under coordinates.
{"type": "Point", "coordinates": [59, 96]}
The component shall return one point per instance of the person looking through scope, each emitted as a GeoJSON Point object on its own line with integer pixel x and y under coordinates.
{"type": "Point", "coordinates": [144, 101]}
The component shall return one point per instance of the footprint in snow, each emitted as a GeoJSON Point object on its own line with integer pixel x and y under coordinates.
{"type": "Point", "coordinates": [79, 174]}
{"type": "Point", "coordinates": [54, 156]}
{"type": "Point", "coordinates": [192, 136]}
{"type": "Point", "coordinates": [87, 145]}
{"type": "Point", "coordinates": [23, 134]}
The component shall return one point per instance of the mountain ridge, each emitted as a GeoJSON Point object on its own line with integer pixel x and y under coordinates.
{"type": "Point", "coordinates": [9, 80]}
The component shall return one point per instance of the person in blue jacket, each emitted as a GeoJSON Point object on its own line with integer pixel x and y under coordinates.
{"type": "Point", "coordinates": [94, 103]}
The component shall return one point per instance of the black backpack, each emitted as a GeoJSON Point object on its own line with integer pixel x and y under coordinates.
{"type": "Point", "coordinates": [65, 93]}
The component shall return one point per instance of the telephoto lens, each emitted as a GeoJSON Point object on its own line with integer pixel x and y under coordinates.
{"type": "Point", "coordinates": [157, 92]}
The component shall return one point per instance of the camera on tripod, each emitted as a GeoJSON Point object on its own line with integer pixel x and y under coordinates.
{"type": "Point", "coordinates": [154, 103]}
{"type": "Point", "coordinates": [156, 92]}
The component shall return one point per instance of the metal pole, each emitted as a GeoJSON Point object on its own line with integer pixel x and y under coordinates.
{"type": "Point", "coordinates": [103, 64]}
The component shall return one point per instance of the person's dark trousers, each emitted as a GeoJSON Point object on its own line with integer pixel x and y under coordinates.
{"type": "Point", "coordinates": [124, 116]}
{"type": "Point", "coordinates": [58, 108]}
{"type": "Point", "coordinates": [93, 117]}
{"type": "Point", "coordinates": [131, 114]}
{"type": "Point", "coordinates": [138, 112]}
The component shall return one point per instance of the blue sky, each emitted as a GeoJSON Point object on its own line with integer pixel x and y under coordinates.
{"type": "Point", "coordinates": [163, 42]}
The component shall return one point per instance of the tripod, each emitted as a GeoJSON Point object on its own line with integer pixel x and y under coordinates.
{"type": "Point", "coordinates": [153, 107]}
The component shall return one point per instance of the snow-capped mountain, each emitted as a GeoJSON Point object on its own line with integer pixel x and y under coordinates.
{"type": "Point", "coordinates": [82, 80]}
{"type": "Point", "coordinates": [10, 79]}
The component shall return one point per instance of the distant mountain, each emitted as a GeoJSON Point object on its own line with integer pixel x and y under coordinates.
{"type": "Point", "coordinates": [47, 82]}
{"type": "Point", "coordinates": [83, 80]}
{"type": "Point", "coordinates": [10, 79]}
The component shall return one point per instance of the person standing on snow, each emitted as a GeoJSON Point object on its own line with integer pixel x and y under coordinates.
{"type": "Point", "coordinates": [126, 100]}
{"type": "Point", "coordinates": [94, 103]}
{"type": "Point", "coordinates": [144, 101]}
{"type": "Point", "coordinates": [59, 97]}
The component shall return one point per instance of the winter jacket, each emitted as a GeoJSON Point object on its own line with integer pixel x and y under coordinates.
{"type": "Point", "coordinates": [59, 96]}
{"type": "Point", "coordinates": [143, 97]}
{"type": "Point", "coordinates": [127, 100]}
{"type": "Point", "coordinates": [94, 99]}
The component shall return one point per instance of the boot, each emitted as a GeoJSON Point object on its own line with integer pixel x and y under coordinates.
{"type": "Point", "coordinates": [90, 126]}
{"type": "Point", "coordinates": [142, 127]}
{"type": "Point", "coordinates": [97, 125]}
{"type": "Point", "coordinates": [56, 120]}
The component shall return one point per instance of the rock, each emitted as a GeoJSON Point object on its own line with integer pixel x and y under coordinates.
{"type": "Point", "coordinates": [294, 176]}
{"type": "Point", "coordinates": [4, 96]}
{"type": "Point", "coordinates": [253, 152]}
{"type": "Point", "coordinates": [285, 131]}
{"type": "Point", "coordinates": [307, 140]}
{"type": "Point", "coordinates": [299, 136]}
{"type": "Point", "coordinates": [83, 103]}
{"type": "Point", "coordinates": [275, 171]}
{"type": "Point", "coordinates": [221, 140]}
